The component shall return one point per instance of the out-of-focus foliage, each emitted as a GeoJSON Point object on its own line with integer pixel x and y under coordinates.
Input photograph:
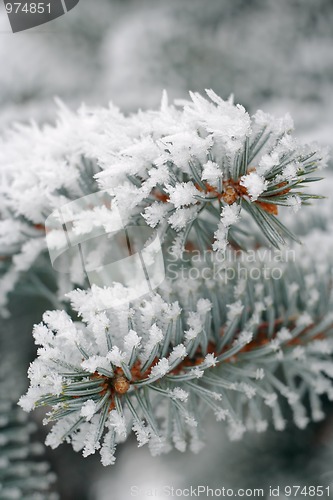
{"type": "Point", "coordinates": [275, 55]}
{"type": "Point", "coordinates": [23, 472]}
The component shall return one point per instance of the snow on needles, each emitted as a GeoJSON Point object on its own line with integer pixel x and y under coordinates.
{"type": "Point", "coordinates": [158, 366]}
{"type": "Point", "coordinates": [164, 169]}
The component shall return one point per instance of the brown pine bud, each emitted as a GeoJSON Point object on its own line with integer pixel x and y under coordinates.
{"type": "Point", "coordinates": [121, 384]}
{"type": "Point", "coordinates": [230, 195]}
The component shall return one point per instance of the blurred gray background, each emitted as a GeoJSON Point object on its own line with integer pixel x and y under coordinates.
{"type": "Point", "coordinates": [272, 54]}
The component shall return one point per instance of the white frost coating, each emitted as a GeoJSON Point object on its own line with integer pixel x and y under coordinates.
{"type": "Point", "coordinates": [157, 165]}
{"type": "Point", "coordinates": [182, 194]}
{"type": "Point", "coordinates": [255, 185]}
{"type": "Point", "coordinates": [160, 369]}
{"type": "Point", "coordinates": [229, 216]}
{"type": "Point", "coordinates": [212, 173]}
{"type": "Point", "coordinates": [88, 409]}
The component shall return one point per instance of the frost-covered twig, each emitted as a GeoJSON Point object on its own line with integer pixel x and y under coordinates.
{"type": "Point", "coordinates": [236, 347]}
{"type": "Point", "coordinates": [188, 171]}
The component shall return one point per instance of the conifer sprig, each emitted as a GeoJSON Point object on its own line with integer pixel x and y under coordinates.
{"type": "Point", "coordinates": [236, 348]}
{"type": "Point", "coordinates": [187, 171]}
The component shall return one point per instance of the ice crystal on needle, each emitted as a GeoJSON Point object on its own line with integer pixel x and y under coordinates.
{"type": "Point", "coordinates": [23, 471]}
{"type": "Point", "coordinates": [103, 189]}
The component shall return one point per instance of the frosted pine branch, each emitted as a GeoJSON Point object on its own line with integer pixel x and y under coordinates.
{"type": "Point", "coordinates": [186, 350]}
{"type": "Point", "coordinates": [198, 175]}
{"type": "Point", "coordinates": [177, 170]}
